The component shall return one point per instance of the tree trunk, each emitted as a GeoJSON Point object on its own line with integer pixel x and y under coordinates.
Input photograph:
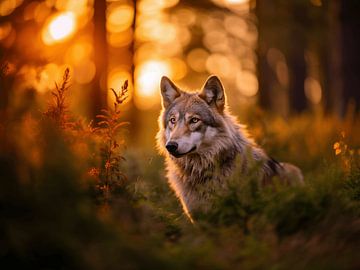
{"type": "Point", "coordinates": [331, 61]}
{"type": "Point", "coordinates": [134, 114]}
{"type": "Point", "coordinates": [297, 70]}
{"type": "Point", "coordinates": [350, 25]}
{"type": "Point", "coordinates": [265, 74]}
{"type": "Point", "coordinates": [98, 96]}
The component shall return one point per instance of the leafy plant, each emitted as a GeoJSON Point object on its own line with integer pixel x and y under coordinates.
{"type": "Point", "coordinates": [109, 174]}
{"type": "Point", "coordinates": [105, 135]}
{"type": "Point", "coordinates": [58, 109]}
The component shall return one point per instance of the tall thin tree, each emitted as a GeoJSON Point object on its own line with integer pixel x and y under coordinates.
{"type": "Point", "coordinates": [99, 91]}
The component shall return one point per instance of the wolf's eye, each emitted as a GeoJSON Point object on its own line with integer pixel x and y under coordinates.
{"type": "Point", "coordinates": [194, 120]}
{"type": "Point", "coordinates": [172, 120]}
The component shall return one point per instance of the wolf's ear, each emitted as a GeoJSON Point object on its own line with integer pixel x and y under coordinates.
{"type": "Point", "coordinates": [169, 91]}
{"type": "Point", "coordinates": [213, 93]}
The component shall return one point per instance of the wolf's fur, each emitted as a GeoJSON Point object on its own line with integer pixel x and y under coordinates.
{"type": "Point", "coordinates": [203, 143]}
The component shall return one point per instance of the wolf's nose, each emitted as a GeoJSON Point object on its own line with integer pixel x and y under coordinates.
{"type": "Point", "coordinates": [172, 147]}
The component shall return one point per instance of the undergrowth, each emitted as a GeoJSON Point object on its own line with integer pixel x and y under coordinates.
{"type": "Point", "coordinates": [58, 174]}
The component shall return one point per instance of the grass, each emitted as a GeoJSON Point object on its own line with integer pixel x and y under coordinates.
{"type": "Point", "coordinates": [55, 214]}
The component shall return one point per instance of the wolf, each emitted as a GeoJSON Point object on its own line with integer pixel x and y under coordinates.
{"type": "Point", "coordinates": [203, 144]}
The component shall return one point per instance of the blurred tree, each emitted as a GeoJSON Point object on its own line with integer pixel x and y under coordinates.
{"type": "Point", "coordinates": [329, 50]}
{"type": "Point", "coordinates": [134, 113]}
{"type": "Point", "coordinates": [282, 25]}
{"type": "Point", "coordinates": [327, 29]}
{"type": "Point", "coordinates": [266, 74]}
{"type": "Point", "coordinates": [350, 43]}
{"type": "Point", "coordinates": [296, 47]}
{"type": "Point", "coordinates": [98, 96]}
{"type": "Point", "coordinates": [7, 54]}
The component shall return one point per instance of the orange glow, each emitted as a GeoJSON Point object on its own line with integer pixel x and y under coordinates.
{"type": "Point", "coordinates": [236, 26]}
{"type": "Point", "coordinates": [216, 40]}
{"type": "Point", "coordinates": [247, 83]}
{"type": "Point", "coordinates": [120, 18]}
{"type": "Point", "coordinates": [235, 5]}
{"type": "Point", "coordinates": [84, 71]}
{"type": "Point", "coordinates": [78, 52]}
{"type": "Point", "coordinates": [156, 30]}
{"type": "Point", "coordinates": [79, 55]}
{"type": "Point", "coordinates": [41, 12]}
{"type": "Point", "coordinates": [8, 6]}
{"type": "Point", "coordinates": [5, 30]}
{"type": "Point", "coordinates": [313, 90]}
{"type": "Point", "coordinates": [178, 68]}
{"type": "Point", "coordinates": [116, 79]}
{"type": "Point", "coordinates": [150, 6]}
{"type": "Point", "coordinates": [220, 64]}
{"type": "Point", "coordinates": [59, 28]}
{"type": "Point", "coordinates": [183, 35]}
{"type": "Point", "coordinates": [120, 39]}
{"type": "Point", "coordinates": [50, 74]}
{"type": "Point", "coordinates": [236, 2]}
{"type": "Point", "coordinates": [148, 76]}
{"type": "Point", "coordinates": [186, 17]}
{"type": "Point", "coordinates": [197, 59]}
{"type": "Point", "coordinates": [78, 6]}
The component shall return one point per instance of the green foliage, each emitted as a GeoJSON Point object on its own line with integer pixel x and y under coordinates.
{"type": "Point", "coordinates": [352, 184]}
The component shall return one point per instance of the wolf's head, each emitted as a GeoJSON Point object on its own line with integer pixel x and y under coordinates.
{"type": "Point", "coordinates": [190, 122]}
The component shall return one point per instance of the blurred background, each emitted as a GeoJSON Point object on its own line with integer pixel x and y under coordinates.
{"type": "Point", "coordinates": [80, 196]}
{"type": "Point", "coordinates": [286, 57]}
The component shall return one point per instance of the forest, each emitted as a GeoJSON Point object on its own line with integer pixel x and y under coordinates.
{"type": "Point", "coordinates": [83, 185]}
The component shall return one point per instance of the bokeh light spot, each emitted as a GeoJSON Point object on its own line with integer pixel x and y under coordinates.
{"type": "Point", "coordinates": [247, 83]}
{"type": "Point", "coordinates": [120, 18]}
{"type": "Point", "coordinates": [313, 90]}
{"type": "Point", "coordinates": [5, 30]}
{"type": "Point", "coordinates": [148, 75]}
{"type": "Point", "coordinates": [59, 28]}
{"type": "Point", "coordinates": [196, 59]}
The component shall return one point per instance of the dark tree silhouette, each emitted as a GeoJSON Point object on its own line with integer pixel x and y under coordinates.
{"type": "Point", "coordinates": [350, 25]}
{"type": "Point", "coordinates": [99, 91]}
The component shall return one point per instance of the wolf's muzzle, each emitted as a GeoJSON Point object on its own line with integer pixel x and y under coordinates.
{"type": "Point", "coordinates": [172, 147]}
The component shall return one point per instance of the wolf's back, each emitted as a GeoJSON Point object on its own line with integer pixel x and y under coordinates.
{"type": "Point", "coordinates": [290, 174]}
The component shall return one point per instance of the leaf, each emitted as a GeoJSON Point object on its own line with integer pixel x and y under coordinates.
{"type": "Point", "coordinates": [103, 123]}
{"type": "Point", "coordinates": [121, 124]}
{"type": "Point", "coordinates": [101, 116]}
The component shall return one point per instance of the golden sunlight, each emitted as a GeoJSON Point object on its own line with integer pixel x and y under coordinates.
{"type": "Point", "coordinates": [236, 2]}
{"type": "Point", "coordinates": [148, 76]}
{"type": "Point", "coordinates": [59, 28]}
{"type": "Point", "coordinates": [120, 18]}
{"type": "Point", "coordinates": [116, 79]}
{"type": "Point", "coordinates": [247, 83]}
{"type": "Point", "coordinates": [5, 30]}
{"type": "Point", "coordinates": [8, 6]}
{"type": "Point", "coordinates": [236, 5]}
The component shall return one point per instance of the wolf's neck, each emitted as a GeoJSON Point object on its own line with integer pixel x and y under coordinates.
{"type": "Point", "coordinates": [197, 168]}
